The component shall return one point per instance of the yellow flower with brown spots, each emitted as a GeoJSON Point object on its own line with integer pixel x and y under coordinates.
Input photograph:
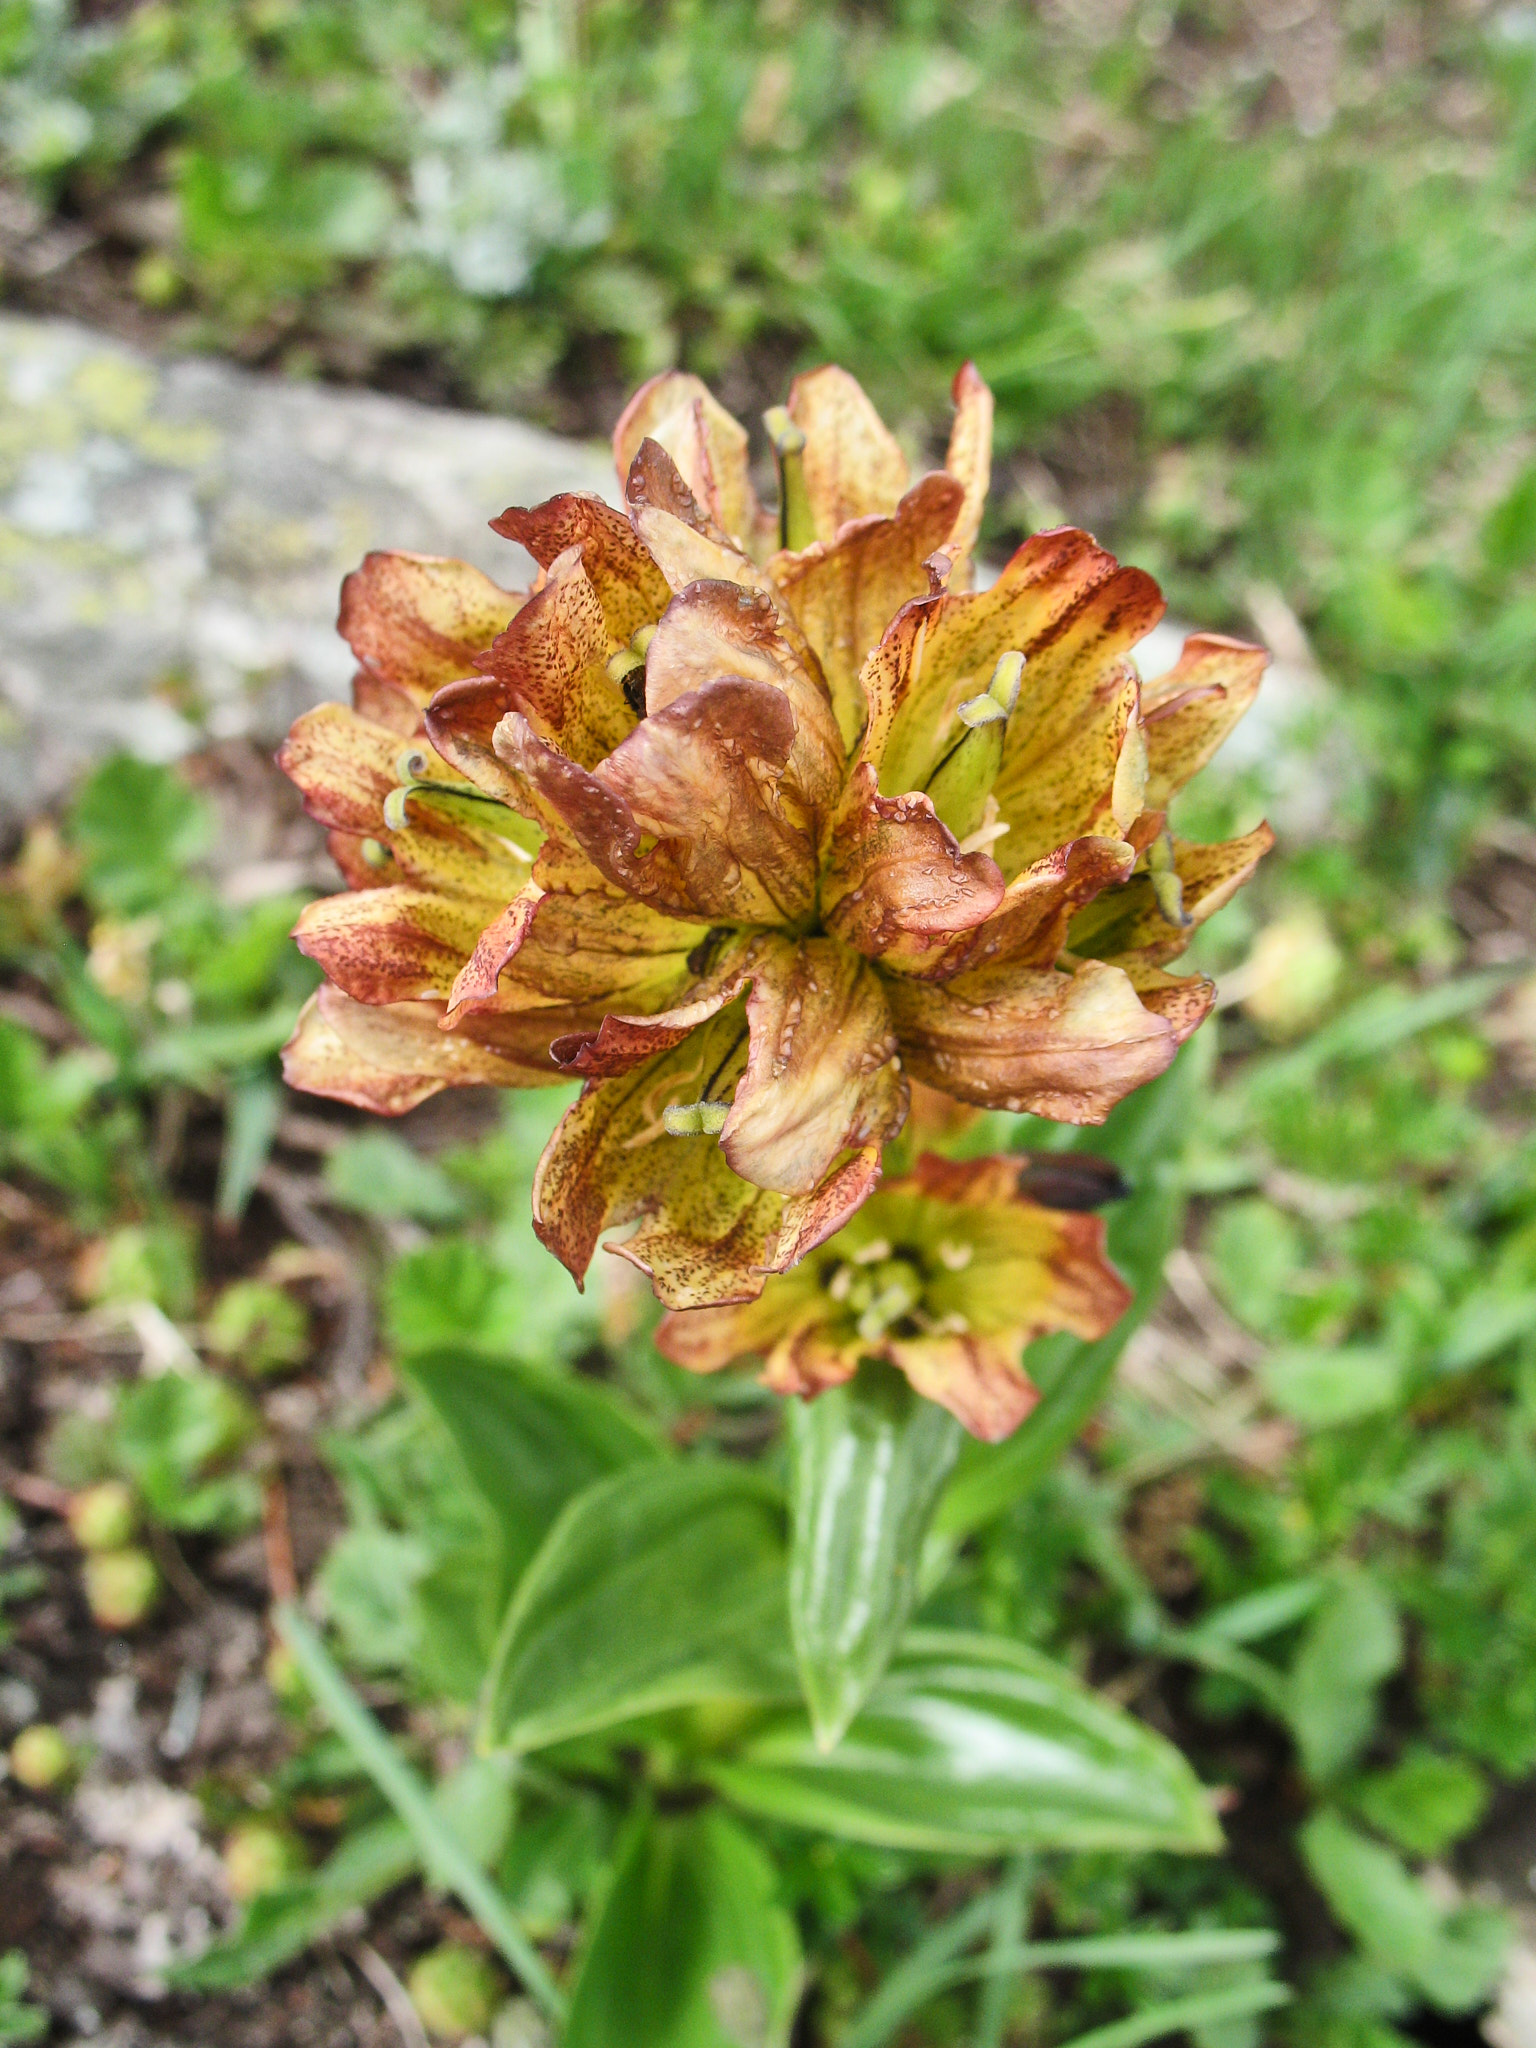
{"type": "Point", "coordinates": [744, 817]}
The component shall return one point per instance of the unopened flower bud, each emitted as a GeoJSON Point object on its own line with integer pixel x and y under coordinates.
{"type": "Point", "coordinates": [40, 1757]}
{"type": "Point", "coordinates": [103, 1517]}
{"type": "Point", "coordinates": [121, 1587]}
{"type": "Point", "coordinates": [261, 1856]}
{"type": "Point", "coordinates": [797, 523]}
{"type": "Point", "coordinates": [454, 1990]}
{"type": "Point", "coordinates": [962, 782]}
{"type": "Point", "coordinates": [1166, 886]}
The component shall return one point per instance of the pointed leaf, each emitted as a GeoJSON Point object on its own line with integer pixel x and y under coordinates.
{"type": "Point", "coordinates": [530, 1437]}
{"type": "Point", "coordinates": [659, 1587]}
{"type": "Point", "coordinates": [691, 1948]}
{"type": "Point", "coordinates": [976, 1745]}
{"type": "Point", "coordinates": [869, 1461]}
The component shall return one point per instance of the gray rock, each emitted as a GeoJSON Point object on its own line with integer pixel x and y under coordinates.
{"type": "Point", "coordinates": [173, 534]}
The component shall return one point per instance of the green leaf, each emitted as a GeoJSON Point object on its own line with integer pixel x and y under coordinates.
{"type": "Point", "coordinates": [691, 1948]}
{"type": "Point", "coordinates": [168, 1433]}
{"type": "Point", "coordinates": [1425, 1802]}
{"type": "Point", "coordinates": [378, 1174]}
{"type": "Point", "coordinates": [251, 1117]}
{"type": "Point", "coordinates": [869, 1460]}
{"type": "Point", "coordinates": [281, 1924]}
{"type": "Point", "coordinates": [1352, 1643]}
{"type": "Point", "coordinates": [1453, 1959]}
{"type": "Point", "coordinates": [660, 1587]}
{"type": "Point", "coordinates": [531, 1437]}
{"type": "Point", "coordinates": [1185, 2015]}
{"type": "Point", "coordinates": [1321, 1386]}
{"type": "Point", "coordinates": [977, 1745]}
{"type": "Point", "coordinates": [138, 827]}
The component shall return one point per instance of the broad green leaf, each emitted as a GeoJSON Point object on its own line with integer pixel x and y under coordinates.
{"type": "Point", "coordinates": [976, 1745]}
{"type": "Point", "coordinates": [659, 1587]}
{"type": "Point", "coordinates": [1425, 1802]}
{"type": "Point", "coordinates": [1453, 1959]}
{"type": "Point", "coordinates": [1352, 1643]}
{"type": "Point", "coordinates": [1321, 1386]}
{"type": "Point", "coordinates": [692, 1948]}
{"type": "Point", "coordinates": [531, 1437]}
{"type": "Point", "coordinates": [869, 1460]}
{"type": "Point", "coordinates": [378, 1174]}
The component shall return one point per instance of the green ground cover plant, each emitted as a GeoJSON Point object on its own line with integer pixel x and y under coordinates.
{"type": "Point", "coordinates": [1273, 339]}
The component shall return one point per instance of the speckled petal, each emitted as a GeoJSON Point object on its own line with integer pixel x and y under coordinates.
{"type": "Point", "coordinates": [1125, 925]}
{"type": "Point", "coordinates": [1068, 1047]}
{"type": "Point", "coordinates": [969, 461]}
{"type": "Point", "coordinates": [419, 621]}
{"type": "Point", "coordinates": [821, 1075]}
{"type": "Point", "coordinates": [390, 1059]}
{"type": "Point", "coordinates": [1191, 710]}
{"type": "Point", "coordinates": [552, 664]}
{"type": "Point", "coordinates": [630, 588]}
{"type": "Point", "coordinates": [843, 592]}
{"type": "Point", "coordinates": [853, 462]}
{"type": "Point", "coordinates": [710, 448]}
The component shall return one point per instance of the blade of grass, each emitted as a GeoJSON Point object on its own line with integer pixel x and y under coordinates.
{"type": "Point", "coordinates": [1178, 2015]}
{"type": "Point", "coordinates": [440, 1848]}
{"type": "Point", "coordinates": [934, 1966]}
{"type": "Point", "coordinates": [913, 1982]}
{"type": "Point", "coordinates": [1010, 1924]}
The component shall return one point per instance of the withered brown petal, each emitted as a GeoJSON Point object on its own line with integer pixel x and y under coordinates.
{"type": "Point", "coordinates": [821, 1075]}
{"type": "Point", "coordinates": [622, 1042]}
{"type": "Point", "coordinates": [390, 1059]}
{"type": "Point", "coordinates": [1003, 1037]}
{"type": "Point", "coordinates": [700, 776]}
{"type": "Point", "coordinates": [715, 628]}
{"type": "Point", "coordinates": [630, 588]}
{"type": "Point", "coordinates": [552, 663]}
{"type": "Point", "coordinates": [895, 874]}
{"type": "Point", "coordinates": [1029, 926]}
